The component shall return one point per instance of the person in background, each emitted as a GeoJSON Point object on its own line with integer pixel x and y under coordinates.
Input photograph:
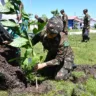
{"type": "Point", "coordinates": [86, 27]}
{"type": "Point", "coordinates": [65, 21]}
{"type": "Point", "coordinates": [39, 19]}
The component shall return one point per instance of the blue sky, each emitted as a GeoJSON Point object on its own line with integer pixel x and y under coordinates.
{"type": "Point", "coordinates": [71, 7]}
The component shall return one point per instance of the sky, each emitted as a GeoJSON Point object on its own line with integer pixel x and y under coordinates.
{"type": "Point", "coordinates": [71, 7]}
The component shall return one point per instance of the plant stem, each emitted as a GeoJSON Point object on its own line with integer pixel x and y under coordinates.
{"type": "Point", "coordinates": [36, 83]}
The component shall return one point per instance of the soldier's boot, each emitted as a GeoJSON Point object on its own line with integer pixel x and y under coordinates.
{"type": "Point", "coordinates": [63, 74]}
{"type": "Point", "coordinates": [74, 66]}
{"type": "Point", "coordinates": [88, 38]}
{"type": "Point", "coordinates": [83, 39]}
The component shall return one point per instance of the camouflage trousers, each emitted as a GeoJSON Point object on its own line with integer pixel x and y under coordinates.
{"type": "Point", "coordinates": [85, 34]}
{"type": "Point", "coordinates": [67, 67]}
{"type": "Point", "coordinates": [62, 71]}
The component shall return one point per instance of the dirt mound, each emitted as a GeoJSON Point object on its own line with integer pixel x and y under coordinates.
{"type": "Point", "coordinates": [85, 72]}
{"type": "Point", "coordinates": [11, 76]}
{"type": "Point", "coordinates": [87, 69]}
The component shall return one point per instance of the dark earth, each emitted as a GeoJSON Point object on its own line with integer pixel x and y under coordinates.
{"type": "Point", "coordinates": [12, 77]}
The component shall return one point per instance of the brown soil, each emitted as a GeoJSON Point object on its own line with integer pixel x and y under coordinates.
{"type": "Point", "coordinates": [11, 76]}
{"type": "Point", "coordinates": [88, 71]}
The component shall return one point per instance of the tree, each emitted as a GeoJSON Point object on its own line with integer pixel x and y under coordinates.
{"type": "Point", "coordinates": [55, 12]}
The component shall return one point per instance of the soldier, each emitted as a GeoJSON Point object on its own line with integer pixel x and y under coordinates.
{"type": "Point", "coordinates": [65, 22]}
{"type": "Point", "coordinates": [60, 59]}
{"type": "Point", "coordinates": [85, 31]}
{"type": "Point", "coordinates": [40, 20]}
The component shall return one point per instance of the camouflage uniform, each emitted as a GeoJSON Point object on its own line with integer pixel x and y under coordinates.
{"type": "Point", "coordinates": [85, 31]}
{"type": "Point", "coordinates": [65, 23]}
{"type": "Point", "coordinates": [60, 56]}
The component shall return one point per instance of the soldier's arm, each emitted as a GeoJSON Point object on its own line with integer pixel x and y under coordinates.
{"type": "Point", "coordinates": [36, 38]}
{"type": "Point", "coordinates": [39, 36]}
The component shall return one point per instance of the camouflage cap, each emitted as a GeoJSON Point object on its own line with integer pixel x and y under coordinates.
{"type": "Point", "coordinates": [55, 25]}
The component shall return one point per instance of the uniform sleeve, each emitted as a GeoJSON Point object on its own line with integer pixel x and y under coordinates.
{"type": "Point", "coordinates": [39, 36]}
{"type": "Point", "coordinates": [59, 57]}
{"type": "Point", "coordinates": [36, 38]}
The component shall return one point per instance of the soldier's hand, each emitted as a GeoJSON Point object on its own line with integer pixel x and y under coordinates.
{"type": "Point", "coordinates": [6, 42]}
{"type": "Point", "coordinates": [40, 66]}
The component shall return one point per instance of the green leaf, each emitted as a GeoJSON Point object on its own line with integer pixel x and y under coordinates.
{"type": "Point", "coordinates": [4, 9]}
{"type": "Point", "coordinates": [40, 27]}
{"type": "Point", "coordinates": [27, 62]}
{"type": "Point", "coordinates": [35, 60]}
{"type": "Point", "coordinates": [25, 16]}
{"type": "Point", "coordinates": [28, 52]}
{"type": "Point", "coordinates": [9, 5]}
{"type": "Point", "coordinates": [19, 42]}
{"type": "Point", "coordinates": [6, 1]}
{"type": "Point", "coordinates": [7, 8]}
{"type": "Point", "coordinates": [8, 23]}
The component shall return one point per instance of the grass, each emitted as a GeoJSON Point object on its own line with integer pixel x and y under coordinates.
{"type": "Point", "coordinates": [3, 93]}
{"type": "Point", "coordinates": [90, 86]}
{"type": "Point", "coordinates": [78, 74]}
{"type": "Point", "coordinates": [75, 30]}
{"type": "Point", "coordinates": [84, 52]}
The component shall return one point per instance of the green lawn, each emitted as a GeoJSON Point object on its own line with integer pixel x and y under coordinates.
{"type": "Point", "coordinates": [85, 52]}
{"type": "Point", "coordinates": [75, 30]}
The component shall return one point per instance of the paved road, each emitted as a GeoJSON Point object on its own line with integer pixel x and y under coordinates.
{"type": "Point", "coordinates": [78, 33]}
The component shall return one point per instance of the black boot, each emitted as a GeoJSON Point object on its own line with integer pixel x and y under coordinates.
{"type": "Point", "coordinates": [74, 66]}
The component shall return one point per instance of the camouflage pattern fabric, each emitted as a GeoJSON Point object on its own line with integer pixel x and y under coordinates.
{"type": "Point", "coordinates": [87, 21]}
{"type": "Point", "coordinates": [65, 23]}
{"type": "Point", "coordinates": [60, 56]}
{"type": "Point", "coordinates": [85, 31]}
{"type": "Point", "coordinates": [57, 25]}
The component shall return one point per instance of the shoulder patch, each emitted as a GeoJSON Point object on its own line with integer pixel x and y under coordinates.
{"type": "Point", "coordinates": [66, 43]}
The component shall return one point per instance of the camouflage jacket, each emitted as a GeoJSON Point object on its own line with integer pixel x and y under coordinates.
{"type": "Point", "coordinates": [87, 21]}
{"type": "Point", "coordinates": [58, 48]}
{"type": "Point", "coordinates": [65, 22]}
